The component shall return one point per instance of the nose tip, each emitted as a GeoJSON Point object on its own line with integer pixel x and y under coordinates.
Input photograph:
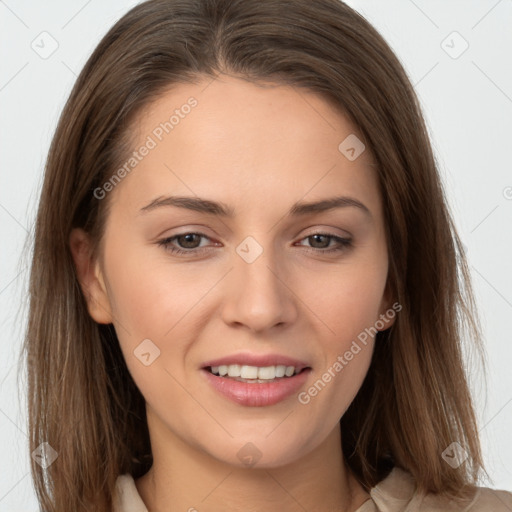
{"type": "Point", "coordinates": [257, 296]}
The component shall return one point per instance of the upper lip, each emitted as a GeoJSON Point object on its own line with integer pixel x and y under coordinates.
{"type": "Point", "coordinates": [260, 360]}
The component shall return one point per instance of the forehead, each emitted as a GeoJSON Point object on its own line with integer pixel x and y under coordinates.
{"type": "Point", "coordinates": [265, 141]}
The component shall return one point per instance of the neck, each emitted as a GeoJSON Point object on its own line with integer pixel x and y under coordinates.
{"type": "Point", "coordinates": [185, 478]}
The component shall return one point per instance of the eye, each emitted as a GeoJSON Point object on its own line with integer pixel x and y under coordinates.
{"type": "Point", "coordinates": [323, 240]}
{"type": "Point", "coordinates": [189, 243]}
{"type": "Point", "coordinates": [187, 240]}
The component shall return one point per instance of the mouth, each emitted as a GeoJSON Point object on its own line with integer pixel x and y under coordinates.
{"type": "Point", "coordinates": [255, 374]}
{"type": "Point", "coordinates": [256, 386]}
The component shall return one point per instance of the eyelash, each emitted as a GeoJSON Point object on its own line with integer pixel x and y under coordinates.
{"type": "Point", "coordinates": [344, 244]}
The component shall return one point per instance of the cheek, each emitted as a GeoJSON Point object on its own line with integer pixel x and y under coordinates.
{"type": "Point", "coordinates": [349, 304]}
{"type": "Point", "coordinates": [348, 300]}
{"type": "Point", "coordinates": [151, 297]}
{"type": "Point", "coordinates": [160, 302]}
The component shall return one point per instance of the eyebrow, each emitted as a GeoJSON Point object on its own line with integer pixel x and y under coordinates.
{"type": "Point", "coordinates": [220, 209]}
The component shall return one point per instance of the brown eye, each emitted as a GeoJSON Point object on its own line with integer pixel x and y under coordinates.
{"type": "Point", "coordinates": [321, 243]}
{"type": "Point", "coordinates": [184, 243]}
{"type": "Point", "coordinates": [188, 240]}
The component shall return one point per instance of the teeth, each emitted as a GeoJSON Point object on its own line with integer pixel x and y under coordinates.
{"type": "Point", "coordinates": [268, 372]}
{"type": "Point", "coordinates": [234, 370]}
{"type": "Point", "coordinates": [249, 372]}
{"type": "Point", "coordinates": [280, 371]}
{"type": "Point", "coordinates": [254, 372]}
{"type": "Point", "coordinates": [290, 370]}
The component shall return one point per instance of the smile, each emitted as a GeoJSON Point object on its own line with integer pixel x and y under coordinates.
{"type": "Point", "coordinates": [246, 373]}
{"type": "Point", "coordinates": [271, 386]}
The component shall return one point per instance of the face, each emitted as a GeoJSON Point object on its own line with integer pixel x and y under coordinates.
{"type": "Point", "coordinates": [246, 270]}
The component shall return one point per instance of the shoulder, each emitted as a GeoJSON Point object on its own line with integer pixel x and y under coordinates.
{"type": "Point", "coordinates": [126, 497]}
{"type": "Point", "coordinates": [397, 493]}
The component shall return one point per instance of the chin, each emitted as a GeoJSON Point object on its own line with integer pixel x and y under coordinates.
{"type": "Point", "coordinates": [259, 453]}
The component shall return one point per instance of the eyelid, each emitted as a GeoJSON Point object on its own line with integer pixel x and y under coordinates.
{"type": "Point", "coordinates": [184, 229]}
{"type": "Point", "coordinates": [312, 230]}
{"type": "Point", "coordinates": [328, 230]}
{"type": "Point", "coordinates": [342, 244]}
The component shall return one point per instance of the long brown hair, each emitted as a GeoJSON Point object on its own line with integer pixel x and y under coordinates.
{"type": "Point", "coordinates": [415, 400]}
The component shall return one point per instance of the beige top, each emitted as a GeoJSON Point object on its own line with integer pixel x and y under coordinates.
{"type": "Point", "coordinates": [396, 493]}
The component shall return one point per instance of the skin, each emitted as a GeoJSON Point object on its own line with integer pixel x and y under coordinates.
{"type": "Point", "coordinates": [257, 149]}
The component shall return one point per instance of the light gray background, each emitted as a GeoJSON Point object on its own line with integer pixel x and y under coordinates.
{"type": "Point", "coordinates": [467, 102]}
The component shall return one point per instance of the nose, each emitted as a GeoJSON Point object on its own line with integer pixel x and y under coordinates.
{"type": "Point", "coordinates": [258, 296]}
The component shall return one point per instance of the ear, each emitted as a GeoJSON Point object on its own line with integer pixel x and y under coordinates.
{"type": "Point", "coordinates": [90, 277]}
{"type": "Point", "coordinates": [387, 310]}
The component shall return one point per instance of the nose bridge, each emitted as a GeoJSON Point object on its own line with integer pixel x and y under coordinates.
{"type": "Point", "coordinates": [258, 297]}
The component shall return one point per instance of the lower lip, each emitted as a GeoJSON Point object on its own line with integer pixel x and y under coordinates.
{"type": "Point", "coordinates": [257, 394]}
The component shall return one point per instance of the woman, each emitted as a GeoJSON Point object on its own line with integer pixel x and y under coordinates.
{"type": "Point", "coordinates": [245, 289]}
